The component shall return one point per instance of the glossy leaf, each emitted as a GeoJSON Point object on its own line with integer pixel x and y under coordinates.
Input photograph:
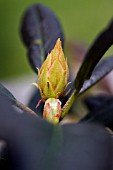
{"type": "Point", "coordinates": [94, 54]}
{"type": "Point", "coordinates": [35, 144]}
{"type": "Point", "coordinates": [100, 71]}
{"type": "Point", "coordinates": [102, 114]}
{"type": "Point", "coordinates": [40, 29]}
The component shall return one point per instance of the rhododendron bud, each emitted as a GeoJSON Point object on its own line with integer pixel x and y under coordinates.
{"type": "Point", "coordinates": [53, 74]}
{"type": "Point", "coordinates": [52, 110]}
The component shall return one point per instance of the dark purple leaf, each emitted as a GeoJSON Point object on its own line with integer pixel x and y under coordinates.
{"type": "Point", "coordinates": [102, 114]}
{"type": "Point", "coordinates": [40, 29]}
{"type": "Point", "coordinates": [35, 144]}
{"type": "Point", "coordinates": [94, 54]}
{"type": "Point", "coordinates": [100, 71]}
{"type": "Point", "coordinates": [94, 102]}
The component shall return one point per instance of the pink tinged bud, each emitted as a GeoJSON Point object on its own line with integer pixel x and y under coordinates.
{"type": "Point", "coordinates": [52, 110]}
{"type": "Point", "coordinates": [53, 74]}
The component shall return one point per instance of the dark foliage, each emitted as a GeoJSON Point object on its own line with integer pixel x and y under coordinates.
{"type": "Point", "coordinates": [34, 144]}
{"type": "Point", "coordinates": [94, 102]}
{"type": "Point", "coordinates": [94, 54]}
{"type": "Point", "coordinates": [100, 71]}
{"type": "Point", "coordinates": [102, 111]}
{"type": "Point", "coordinates": [40, 29]}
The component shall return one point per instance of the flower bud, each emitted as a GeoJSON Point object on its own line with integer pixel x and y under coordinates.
{"type": "Point", "coordinates": [53, 74]}
{"type": "Point", "coordinates": [52, 110]}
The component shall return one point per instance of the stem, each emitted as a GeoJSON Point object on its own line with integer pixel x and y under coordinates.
{"type": "Point", "coordinates": [25, 108]}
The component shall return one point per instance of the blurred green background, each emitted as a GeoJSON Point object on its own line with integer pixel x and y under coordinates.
{"type": "Point", "coordinates": [81, 21]}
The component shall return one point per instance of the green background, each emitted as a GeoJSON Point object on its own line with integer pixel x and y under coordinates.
{"type": "Point", "coordinates": [81, 21]}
